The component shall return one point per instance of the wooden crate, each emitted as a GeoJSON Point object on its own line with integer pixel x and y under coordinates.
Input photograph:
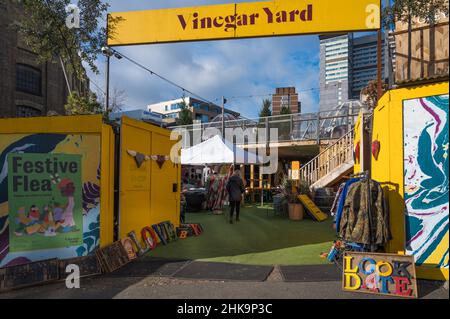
{"type": "Point", "coordinates": [30, 274]}
{"type": "Point", "coordinates": [112, 257]}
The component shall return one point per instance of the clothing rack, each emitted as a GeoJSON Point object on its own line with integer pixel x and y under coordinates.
{"type": "Point", "coordinates": [365, 176]}
{"type": "Point", "coordinates": [361, 175]}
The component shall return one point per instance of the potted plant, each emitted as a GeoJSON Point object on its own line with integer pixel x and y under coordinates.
{"type": "Point", "coordinates": [295, 208]}
{"type": "Point", "coordinates": [296, 211]}
{"type": "Point", "coordinates": [304, 188]}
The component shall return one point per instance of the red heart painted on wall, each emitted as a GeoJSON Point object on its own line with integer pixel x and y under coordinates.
{"type": "Point", "coordinates": [376, 145]}
{"type": "Point", "coordinates": [356, 153]}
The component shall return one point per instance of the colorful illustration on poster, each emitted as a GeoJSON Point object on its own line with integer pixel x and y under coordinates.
{"type": "Point", "coordinates": [45, 200]}
{"type": "Point", "coordinates": [426, 168]}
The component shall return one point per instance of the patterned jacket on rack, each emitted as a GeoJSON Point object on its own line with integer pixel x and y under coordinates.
{"type": "Point", "coordinates": [355, 225]}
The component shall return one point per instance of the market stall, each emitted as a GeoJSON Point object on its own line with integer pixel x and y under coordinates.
{"type": "Point", "coordinates": [217, 151]}
{"type": "Point", "coordinates": [221, 155]}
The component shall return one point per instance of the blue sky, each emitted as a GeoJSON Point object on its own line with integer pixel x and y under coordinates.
{"type": "Point", "coordinates": [215, 68]}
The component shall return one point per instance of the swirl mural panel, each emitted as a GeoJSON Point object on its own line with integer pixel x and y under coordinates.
{"type": "Point", "coordinates": [426, 168]}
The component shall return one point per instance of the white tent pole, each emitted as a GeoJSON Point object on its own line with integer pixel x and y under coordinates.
{"type": "Point", "coordinates": [262, 186]}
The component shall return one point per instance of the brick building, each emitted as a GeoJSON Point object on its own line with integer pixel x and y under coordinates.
{"type": "Point", "coordinates": [286, 96]}
{"type": "Point", "coordinates": [28, 88]}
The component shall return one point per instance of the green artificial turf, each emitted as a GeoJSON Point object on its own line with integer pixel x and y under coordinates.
{"type": "Point", "coordinates": [258, 239]}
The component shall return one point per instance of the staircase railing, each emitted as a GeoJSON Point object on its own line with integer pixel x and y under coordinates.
{"type": "Point", "coordinates": [329, 159]}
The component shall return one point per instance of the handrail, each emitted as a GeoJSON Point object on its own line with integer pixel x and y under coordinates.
{"type": "Point", "coordinates": [299, 117]}
{"type": "Point", "coordinates": [332, 157]}
{"type": "Point", "coordinates": [330, 146]}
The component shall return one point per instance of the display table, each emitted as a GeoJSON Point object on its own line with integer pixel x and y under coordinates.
{"type": "Point", "coordinates": [195, 197]}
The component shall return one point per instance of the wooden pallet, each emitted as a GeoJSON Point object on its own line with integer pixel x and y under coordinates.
{"type": "Point", "coordinates": [89, 266]}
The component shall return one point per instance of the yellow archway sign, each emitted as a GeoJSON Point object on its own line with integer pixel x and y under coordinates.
{"type": "Point", "coordinates": [245, 20]}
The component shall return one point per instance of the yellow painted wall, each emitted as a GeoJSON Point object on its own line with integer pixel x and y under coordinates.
{"type": "Point", "coordinates": [389, 168]}
{"type": "Point", "coordinates": [107, 187]}
{"type": "Point", "coordinates": [55, 124]}
{"type": "Point", "coordinates": [146, 195]}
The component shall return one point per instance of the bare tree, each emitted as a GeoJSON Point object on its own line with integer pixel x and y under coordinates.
{"type": "Point", "coordinates": [117, 99]}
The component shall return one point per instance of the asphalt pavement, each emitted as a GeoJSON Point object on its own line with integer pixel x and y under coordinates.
{"type": "Point", "coordinates": [109, 287]}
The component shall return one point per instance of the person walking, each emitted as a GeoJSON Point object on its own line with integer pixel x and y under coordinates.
{"type": "Point", "coordinates": [235, 189]}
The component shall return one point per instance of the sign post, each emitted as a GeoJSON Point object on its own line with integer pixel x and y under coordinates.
{"type": "Point", "coordinates": [295, 175]}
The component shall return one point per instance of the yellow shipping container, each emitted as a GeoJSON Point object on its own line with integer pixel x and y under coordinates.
{"type": "Point", "coordinates": [51, 207]}
{"type": "Point", "coordinates": [411, 126]}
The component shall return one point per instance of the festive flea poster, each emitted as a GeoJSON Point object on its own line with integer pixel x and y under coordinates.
{"type": "Point", "coordinates": [45, 201]}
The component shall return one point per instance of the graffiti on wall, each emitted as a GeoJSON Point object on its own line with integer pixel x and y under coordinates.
{"type": "Point", "coordinates": [73, 198]}
{"type": "Point", "coordinates": [426, 169]}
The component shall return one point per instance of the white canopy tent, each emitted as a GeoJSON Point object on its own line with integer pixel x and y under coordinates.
{"type": "Point", "coordinates": [217, 151]}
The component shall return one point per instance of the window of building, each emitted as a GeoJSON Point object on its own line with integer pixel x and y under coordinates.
{"type": "Point", "coordinates": [28, 79]}
{"type": "Point", "coordinates": [202, 117]}
{"type": "Point", "coordinates": [200, 106]}
{"type": "Point", "coordinates": [285, 101]}
{"type": "Point", "coordinates": [172, 115]}
{"type": "Point", "coordinates": [27, 111]}
{"type": "Point", "coordinates": [175, 106]}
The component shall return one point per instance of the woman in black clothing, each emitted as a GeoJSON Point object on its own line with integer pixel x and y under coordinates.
{"type": "Point", "coordinates": [235, 189]}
